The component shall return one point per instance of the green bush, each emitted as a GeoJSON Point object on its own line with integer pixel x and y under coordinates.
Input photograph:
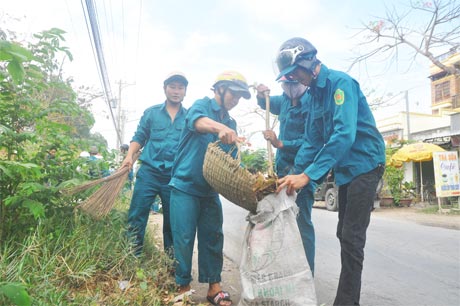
{"type": "Point", "coordinates": [254, 161]}
{"type": "Point", "coordinates": [38, 110]}
{"type": "Point", "coordinates": [71, 259]}
{"type": "Point", "coordinates": [393, 177]}
{"type": "Point", "coordinates": [49, 253]}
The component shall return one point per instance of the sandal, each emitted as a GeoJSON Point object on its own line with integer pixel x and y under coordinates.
{"type": "Point", "coordinates": [219, 297]}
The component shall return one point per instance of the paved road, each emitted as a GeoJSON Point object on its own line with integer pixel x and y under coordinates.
{"type": "Point", "coordinates": [406, 263]}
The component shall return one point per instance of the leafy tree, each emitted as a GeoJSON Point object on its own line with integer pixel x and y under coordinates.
{"type": "Point", "coordinates": [38, 109]}
{"type": "Point", "coordinates": [425, 28]}
{"type": "Point", "coordinates": [254, 161]}
{"type": "Point", "coordinates": [98, 140]}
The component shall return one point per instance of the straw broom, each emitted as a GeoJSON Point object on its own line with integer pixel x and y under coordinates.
{"type": "Point", "coordinates": [119, 173]}
{"type": "Point", "coordinates": [101, 202]}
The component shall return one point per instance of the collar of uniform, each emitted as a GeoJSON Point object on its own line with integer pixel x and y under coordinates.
{"type": "Point", "coordinates": [220, 110]}
{"type": "Point", "coordinates": [182, 109]}
{"type": "Point", "coordinates": [322, 76]}
{"type": "Point", "coordinates": [320, 81]}
{"type": "Point", "coordinates": [303, 99]}
{"type": "Point", "coordinates": [215, 106]}
{"type": "Point", "coordinates": [299, 102]}
{"type": "Point", "coordinates": [163, 107]}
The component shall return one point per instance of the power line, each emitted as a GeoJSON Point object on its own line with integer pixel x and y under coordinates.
{"type": "Point", "coordinates": [72, 22]}
{"type": "Point", "coordinates": [137, 48]}
{"type": "Point", "coordinates": [123, 32]}
{"type": "Point", "coordinates": [89, 34]}
{"type": "Point", "coordinates": [100, 58]}
{"type": "Point", "coordinates": [110, 33]}
{"type": "Point", "coordinates": [138, 39]}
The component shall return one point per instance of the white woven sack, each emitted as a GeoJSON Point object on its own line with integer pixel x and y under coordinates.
{"type": "Point", "coordinates": [274, 269]}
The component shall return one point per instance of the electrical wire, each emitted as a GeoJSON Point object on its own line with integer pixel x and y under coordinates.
{"type": "Point", "coordinates": [138, 40]}
{"type": "Point", "coordinates": [96, 39]}
{"type": "Point", "coordinates": [93, 49]}
{"type": "Point", "coordinates": [72, 22]}
{"type": "Point", "coordinates": [137, 50]}
{"type": "Point", "coordinates": [114, 45]}
{"type": "Point", "coordinates": [123, 32]}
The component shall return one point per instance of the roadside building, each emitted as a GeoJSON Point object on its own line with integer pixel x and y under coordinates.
{"type": "Point", "coordinates": [445, 87]}
{"type": "Point", "coordinates": [441, 127]}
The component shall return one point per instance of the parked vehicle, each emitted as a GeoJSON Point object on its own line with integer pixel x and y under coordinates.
{"type": "Point", "coordinates": [328, 192]}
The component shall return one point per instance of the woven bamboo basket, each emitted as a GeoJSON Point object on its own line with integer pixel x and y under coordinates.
{"type": "Point", "coordinates": [236, 184]}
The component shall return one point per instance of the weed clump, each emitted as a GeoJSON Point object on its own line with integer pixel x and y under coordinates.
{"type": "Point", "coordinates": [71, 259]}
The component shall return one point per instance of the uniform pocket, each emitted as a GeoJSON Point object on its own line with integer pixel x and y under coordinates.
{"type": "Point", "coordinates": [314, 130]}
{"type": "Point", "coordinates": [282, 117]}
{"type": "Point", "coordinates": [158, 133]}
{"type": "Point", "coordinates": [295, 126]}
{"type": "Point", "coordinates": [159, 130]}
{"type": "Point", "coordinates": [328, 125]}
{"type": "Point", "coordinates": [178, 131]}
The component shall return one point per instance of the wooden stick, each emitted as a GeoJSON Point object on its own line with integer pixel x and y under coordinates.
{"type": "Point", "coordinates": [267, 127]}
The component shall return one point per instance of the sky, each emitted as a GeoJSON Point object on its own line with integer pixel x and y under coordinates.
{"type": "Point", "coordinates": [144, 40]}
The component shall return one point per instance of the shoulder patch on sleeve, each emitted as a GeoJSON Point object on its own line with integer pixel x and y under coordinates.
{"type": "Point", "coordinates": [339, 96]}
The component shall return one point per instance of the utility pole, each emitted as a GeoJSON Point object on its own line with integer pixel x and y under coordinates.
{"type": "Point", "coordinates": [123, 119]}
{"type": "Point", "coordinates": [121, 115]}
{"type": "Point", "coordinates": [407, 114]}
{"type": "Point", "coordinates": [119, 134]}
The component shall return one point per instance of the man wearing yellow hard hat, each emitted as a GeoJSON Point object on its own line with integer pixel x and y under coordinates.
{"type": "Point", "coordinates": [195, 206]}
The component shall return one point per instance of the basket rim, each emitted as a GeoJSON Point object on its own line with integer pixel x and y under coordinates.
{"type": "Point", "coordinates": [226, 176]}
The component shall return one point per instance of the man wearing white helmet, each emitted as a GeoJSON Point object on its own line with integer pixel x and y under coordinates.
{"type": "Point", "coordinates": [158, 133]}
{"type": "Point", "coordinates": [195, 207]}
{"type": "Point", "coordinates": [340, 134]}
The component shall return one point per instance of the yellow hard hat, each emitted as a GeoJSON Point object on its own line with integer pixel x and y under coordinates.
{"type": "Point", "coordinates": [234, 81]}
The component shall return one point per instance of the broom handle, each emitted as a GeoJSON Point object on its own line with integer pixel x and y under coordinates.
{"type": "Point", "coordinates": [117, 174]}
{"type": "Point", "coordinates": [267, 127]}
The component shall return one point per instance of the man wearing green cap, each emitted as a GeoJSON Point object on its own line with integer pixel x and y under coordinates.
{"type": "Point", "coordinates": [158, 133]}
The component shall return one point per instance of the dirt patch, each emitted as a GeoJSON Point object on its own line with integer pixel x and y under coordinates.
{"type": "Point", "coordinates": [230, 273]}
{"type": "Point", "coordinates": [416, 214]}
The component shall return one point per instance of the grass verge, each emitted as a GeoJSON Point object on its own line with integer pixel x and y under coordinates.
{"type": "Point", "coordinates": [446, 209]}
{"type": "Point", "coordinates": [71, 259]}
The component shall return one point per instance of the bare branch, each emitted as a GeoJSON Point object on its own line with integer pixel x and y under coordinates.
{"type": "Point", "coordinates": [425, 28]}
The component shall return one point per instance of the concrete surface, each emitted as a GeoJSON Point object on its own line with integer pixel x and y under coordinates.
{"type": "Point", "coordinates": [230, 273]}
